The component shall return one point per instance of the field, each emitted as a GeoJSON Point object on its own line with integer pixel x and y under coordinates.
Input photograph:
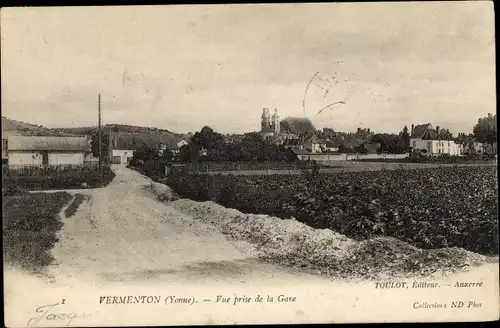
{"type": "Point", "coordinates": [444, 206]}
{"type": "Point", "coordinates": [52, 178]}
{"type": "Point", "coordinates": [30, 223]}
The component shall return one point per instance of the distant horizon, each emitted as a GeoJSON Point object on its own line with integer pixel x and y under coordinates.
{"type": "Point", "coordinates": [454, 133]}
{"type": "Point", "coordinates": [342, 65]}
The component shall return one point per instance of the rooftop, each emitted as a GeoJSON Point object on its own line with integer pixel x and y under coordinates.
{"type": "Point", "coordinates": [39, 143]}
{"type": "Point", "coordinates": [297, 125]}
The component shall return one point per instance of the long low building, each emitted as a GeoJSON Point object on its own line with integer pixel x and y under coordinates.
{"type": "Point", "coordinates": [38, 150]}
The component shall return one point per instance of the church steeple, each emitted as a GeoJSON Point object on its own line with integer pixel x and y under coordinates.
{"type": "Point", "coordinates": [276, 123]}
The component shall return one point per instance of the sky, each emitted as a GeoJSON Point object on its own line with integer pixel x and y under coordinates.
{"type": "Point", "coordinates": [385, 65]}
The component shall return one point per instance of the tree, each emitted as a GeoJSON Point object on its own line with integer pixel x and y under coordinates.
{"type": "Point", "coordinates": [390, 143]}
{"type": "Point", "coordinates": [406, 136]}
{"type": "Point", "coordinates": [208, 139]}
{"type": "Point", "coordinates": [145, 153]}
{"type": "Point", "coordinates": [167, 156]}
{"type": "Point", "coordinates": [445, 134]}
{"type": "Point", "coordinates": [185, 154]}
{"type": "Point", "coordinates": [94, 145]}
{"type": "Point", "coordinates": [485, 130]}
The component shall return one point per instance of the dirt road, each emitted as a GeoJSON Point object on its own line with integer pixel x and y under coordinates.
{"type": "Point", "coordinates": [123, 234]}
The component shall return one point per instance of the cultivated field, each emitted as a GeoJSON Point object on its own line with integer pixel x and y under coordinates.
{"type": "Point", "coordinates": [444, 206]}
{"type": "Point", "coordinates": [395, 165]}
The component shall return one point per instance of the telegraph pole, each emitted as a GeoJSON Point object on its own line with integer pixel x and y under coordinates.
{"type": "Point", "coordinates": [99, 132]}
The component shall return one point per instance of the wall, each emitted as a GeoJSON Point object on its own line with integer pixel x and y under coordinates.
{"type": "Point", "coordinates": [437, 147]}
{"type": "Point", "coordinates": [125, 155]}
{"type": "Point", "coordinates": [349, 157]}
{"type": "Point", "coordinates": [25, 158]}
{"type": "Point", "coordinates": [36, 158]}
{"type": "Point", "coordinates": [66, 158]}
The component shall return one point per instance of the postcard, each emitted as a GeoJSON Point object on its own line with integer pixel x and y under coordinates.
{"type": "Point", "coordinates": [249, 164]}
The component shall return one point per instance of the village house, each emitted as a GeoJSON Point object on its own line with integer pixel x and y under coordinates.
{"type": "Point", "coordinates": [425, 139]}
{"type": "Point", "coordinates": [315, 145]}
{"type": "Point", "coordinates": [121, 151]}
{"type": "Point", "coordinates": [45, 150]}
{"type": "Point", "coordinates": [124, 145]}
{"type": "Point", "coordinates": [173, 146]}
{"type": "Point", "coordinates": [293, 143]}
{"type": "Point", "coordinates": [181, 143]}
{"type": "Point", "coordinates": [333, 144]}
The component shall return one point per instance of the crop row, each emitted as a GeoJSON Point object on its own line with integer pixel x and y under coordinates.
{"type": "Point", "coordinates": [428, 208]}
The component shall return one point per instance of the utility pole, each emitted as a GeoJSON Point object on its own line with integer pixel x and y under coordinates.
{"type": "Point", "coordinates": [99, 132]}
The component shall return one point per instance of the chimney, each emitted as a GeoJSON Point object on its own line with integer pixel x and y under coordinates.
{"type": "Point", "coordinates": [437, 131]}
{"type": "Point", "coordinates": [368, 130]}
{"type": "Point", "coordinates": [412, 128]}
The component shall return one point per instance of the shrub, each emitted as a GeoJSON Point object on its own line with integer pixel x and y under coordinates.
{"type": "Point", "coordinates": [56, 178]}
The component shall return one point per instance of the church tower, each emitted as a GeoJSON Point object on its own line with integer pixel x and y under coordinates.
{"type": "Point", "coordinates": [276, 123]}
{"type": "Point", "coordinates": [265, 120]}
{"type": "Point", "coordinates": [266, 129]}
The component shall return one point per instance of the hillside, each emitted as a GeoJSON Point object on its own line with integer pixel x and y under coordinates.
{"type": "Point", "coordinates": [130, 137]}
{"type": "Point", "coordinates": [124, 136]}
{"type": "Point", "coordinates": [18, 128]}
{"type": "Point", "coordinates": [118, 128]}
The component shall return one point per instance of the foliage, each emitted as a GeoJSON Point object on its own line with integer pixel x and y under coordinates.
{"type": "Point", "coordinates": [405, 136]}
{"type": "Point", "coordinates": [94, 144]}
{"type": "Point", "coordinates": [428, 208]}
{"type": "Point", "coordinates": [30, 224]}
{"type": "Point", "coordinates": [486, 129]}
{"type": "Point", "coordinates": [151, 162]}
{"type": "Point", "coordinates": [251, 148]}
{"type": "Point", "coordinates": [445, 134]}
{"type": "Point", "coordinates": [144, 153]}
{"type": "Point", "coordinates": [391, 143]}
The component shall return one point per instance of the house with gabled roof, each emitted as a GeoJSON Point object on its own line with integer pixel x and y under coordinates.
{"type": "Point", "coordinates": [426, 140]}
{"type": "Point", "coordinates": [424, 132]}
{"type": "Point", "coordinates": [315, 145]}
{"type": "Point", "coordinates": [46, 150]}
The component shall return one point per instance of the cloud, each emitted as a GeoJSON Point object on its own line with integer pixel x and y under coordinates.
{"type": "Point", "coordinates": [183, 67]}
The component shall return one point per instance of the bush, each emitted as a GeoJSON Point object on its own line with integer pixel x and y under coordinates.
{"type": "Point", "coordinates": [55, 178]}
{"type": "Point", "coordinates": [428, 208]}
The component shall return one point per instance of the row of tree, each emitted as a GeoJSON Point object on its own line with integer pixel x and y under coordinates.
{"type": "Point", "coordinates": [208, 145]}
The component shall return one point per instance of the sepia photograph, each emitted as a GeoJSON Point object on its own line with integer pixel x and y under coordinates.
{"type": "Point", "coordinates": [249, 164]}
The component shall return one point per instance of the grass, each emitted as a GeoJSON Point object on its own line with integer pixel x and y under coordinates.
{"type": "Point", "coordinates": [73, 207]}
{"type": "Point", "coordinates": [30, 224]}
